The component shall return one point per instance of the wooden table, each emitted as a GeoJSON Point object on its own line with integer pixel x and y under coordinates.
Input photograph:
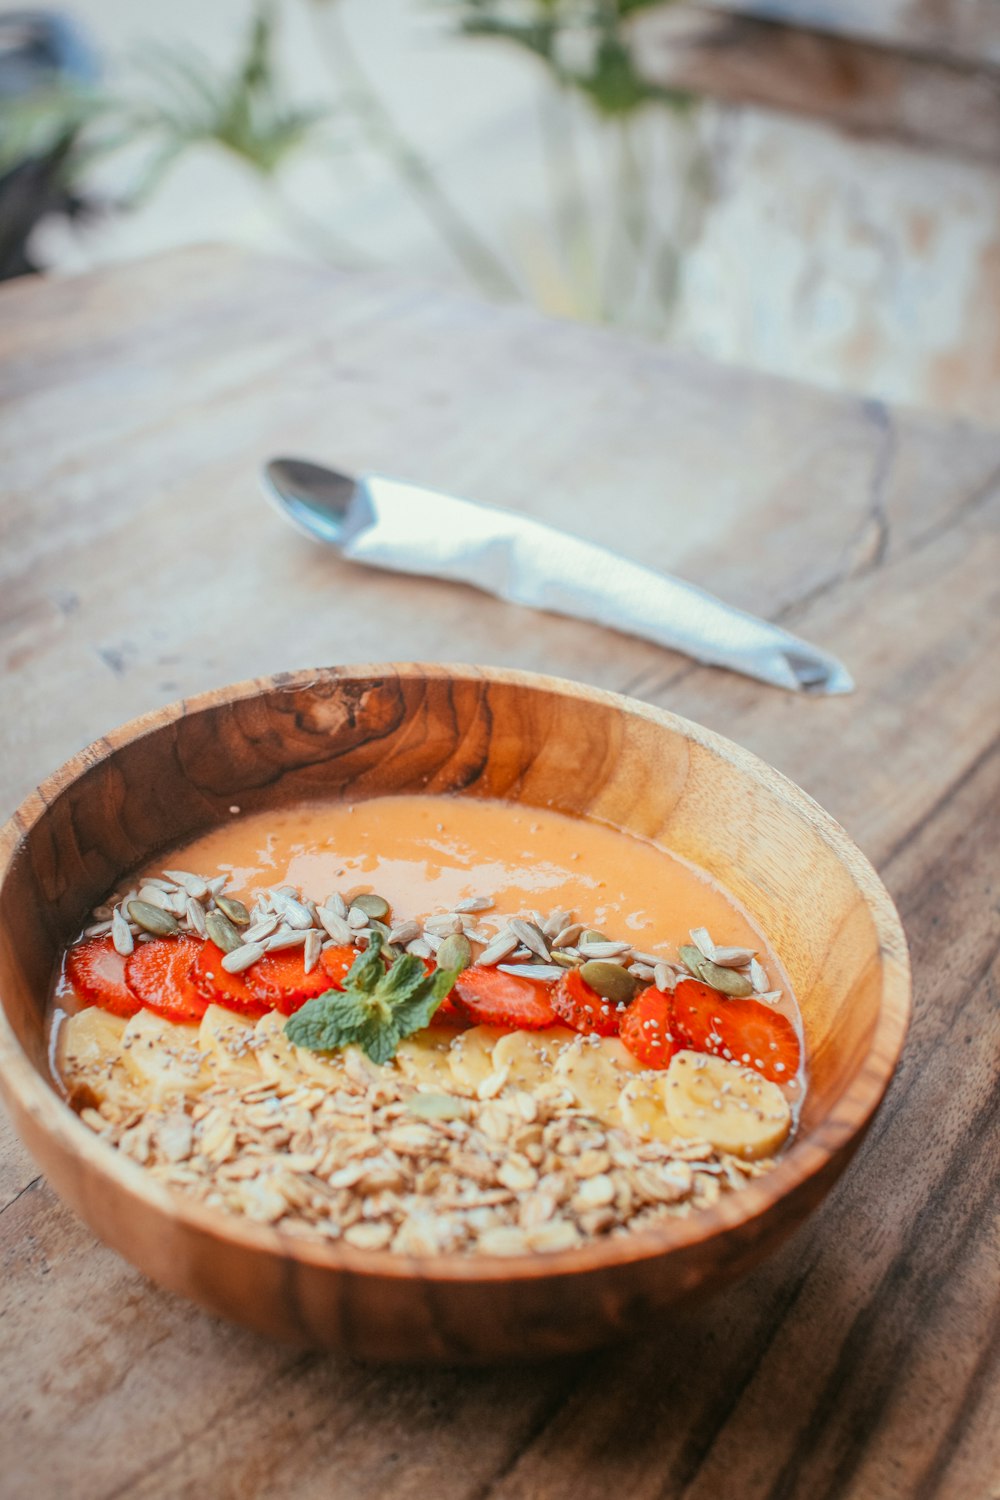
{"type": "Point", "coordinates": [139, 564]}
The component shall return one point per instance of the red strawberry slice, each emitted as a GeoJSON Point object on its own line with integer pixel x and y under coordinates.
{"type": "Point", "coordinates": [488, 997]}
{"type": "Point", "coordinates": [159, 974]}
{"type": "Point", "coordinates": [583, 1008]}
{"type": "Point", "coordinates": [336, 962]}
{"type": "Point", "coordinates": [279, 980]}
{"type": "Point", "coordinates": [218, 987]}
{"type": "Point", "coordinates": [745, 1031]}
{"type": "Point", "coordinates": [96, 970]}
{"type": "Point", "coordinates": [647, 1029]}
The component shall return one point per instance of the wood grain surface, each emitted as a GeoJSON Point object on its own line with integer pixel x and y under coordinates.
{"type": "Point", "coordinates": [138, 564]}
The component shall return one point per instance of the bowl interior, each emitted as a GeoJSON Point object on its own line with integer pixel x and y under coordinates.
{"type": "Point", "coordinates": [357, 733]}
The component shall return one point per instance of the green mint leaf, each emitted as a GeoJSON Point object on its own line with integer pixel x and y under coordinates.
{"type": "Point", "coordinates": [367, 969]}
{"type": "Point", "coordinates": [417, 1010]}
{"type": "Point", "coordinates": [329, 1021]}
{"type": "Point", "coordinates": [403, 979]}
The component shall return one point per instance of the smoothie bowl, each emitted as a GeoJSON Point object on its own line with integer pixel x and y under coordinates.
{"type": "Point", "coordinates": [435, 1012]}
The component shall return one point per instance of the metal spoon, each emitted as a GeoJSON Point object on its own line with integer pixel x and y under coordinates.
{"type": "Point", "coordinates": [387, 524]}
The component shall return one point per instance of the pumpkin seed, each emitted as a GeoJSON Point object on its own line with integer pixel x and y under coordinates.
{"type": "Point", "coordinates": [726, 981]}
{"type": "Point", "coordinates": [233, 909]}
{"type": "Point", "coordinates": [372, 905]}
{"type": "Point", "coordinates": [611, 981]}
{"type": "Point", "coordinates": [455, 952]}
{"type": "Point", "coordinates": [691, 958]}
{"type": "Point", "coordinates": [221, 931]}
{"type": "Point", "coordinates": [152, 918]}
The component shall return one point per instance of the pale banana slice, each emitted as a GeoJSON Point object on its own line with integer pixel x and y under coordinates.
{"type": "Point", "coordinates": [596, 1073]}
{"type": "Point", "coordinates": [471, 1056]}
{"type": "Point", "coordinates": [642, 1108]}
{"type": "Point", "coordinates": [226, 1039]}
{"type": "Point", "coordinates": [163, 1056]}
{"type": "Point", "coordinates": [424, 1058]}
{"type": "Point", "coordinates": [278, 1059]}
{"type": "Point", "coordinates": [530, 1057]}
{"type": "Point", "coordinates": [327, 1068]}
{"type": "Point", "coordinates": [731, 1107]}
{"type": "Point", "coordinates": [89, 1054]}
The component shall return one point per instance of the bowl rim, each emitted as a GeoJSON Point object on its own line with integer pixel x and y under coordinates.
{"type": "Point", "coordinates": [805, 1160]}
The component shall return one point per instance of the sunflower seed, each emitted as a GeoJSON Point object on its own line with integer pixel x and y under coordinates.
{"type": "Point", "coordinates": [103, 912]}
{"type": "Point", "coordinates": [152, 895]}
{"type": "Point", "coordinates": [758, 976]}
{"type": "Point", "coordinates": [192, 884]}
{"type": "Point", "coordinates": [242, 957]}
{"type": "Point", "coordinates": [333, 924]}
{"type": "Point", "coordinates": [477, 934]}
{"type": "Point", "coordinates": [356, 918]}
{"type": "Point", "coordinates": [217, 883]}
{"type": "Point", "coordinates": [771, 997]}
{"type": "Point", "coordinates": [531, 935]}
{"type": "Point", "coordinates": [313, 948]}
{"type": "Point", "coordinates": [97, 929]}
{"type": "Point", "coordinates": [195, 913]}
{"type": "Point", "coordinates": [505, 942]}
{"type": "Point", "coordinates": [532, 971]}
{"type": "Point", "coordinates": [420, 948]}
{"type": "Point", "coordinates": [444, 926]}
{"type": "Point", "coordinates": [372, 905]}
{"type": "Point", "coordinates": [475, 903]}
{"type": "Point", "coordinates": [565, 958]}
{"type": "Point", "coordinates": [285, 937]}
{"type": "Point", "coordinates": [455, 952]}
{"type": "Point", "coordinates": [152, 918]}
{"type": "Point", "coordinates": [121, 933]}
{"type": "Point", "coordinates": [602, 950]}
{"type": "Point", "coordinates": [293, 912]}
{"type": "Point", "coordinates": [233, 909]}
{"type": "Point", "coordinates": [703, 942]}
{"type": "Point", "coordinates": [336, 903]}
{"type": "Point", "coordinates": [591, 935]}
{"type": "Point", "coordinates": [431, 940]}
{"type": "Point", "coordinates": [222, 932]}
{"type": "Point", "coordinates": [260, 929]}
{"type": "Point", "coordinates": [555, 922]}
{"type": "Point", "coordinates": [568, 935]}
{"type": "Point", "coordinates": [652, 959]}
{"type": "Point", "coordinates": [733, 958]}
{"type": "Point", "coordinates": [642, 971]}
{"type": "Point", "coordinates": [665, 978]}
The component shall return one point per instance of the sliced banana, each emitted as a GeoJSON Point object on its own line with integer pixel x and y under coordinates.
{"type": "Point", "coordinates": [278, 1059]}
{"type": "Point", "coordinates": [89, 1053]}
{"type": "Point", "coordinates": [596, 1074]}
{"type": "Point", "coordinates": [227, 1039]}
{"type": "Point", "coordinates": [423, 1058]}
{"type": "Point", "coordinates": [164, 1056]}
{"type": "Point", "coordinates": [530, 1057]}
{"type": "Point", "coordinates": [731, 1107]}
{"type": "Point", "coordinates": [471, 1056]}
{"type": "Point", "coordinates": [327, 1068]}
{"type": "Point", "coordinates": [642, 1107]}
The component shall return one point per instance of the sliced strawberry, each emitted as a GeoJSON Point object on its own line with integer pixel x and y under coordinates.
{"type": "Point", "coordinates": [218, 987]}
{"type": "Point", "coordinates": [159, 974]}
{"type": "Point", "coordinates": [96, 970]}
{"type": "Point", "coordinates": [336, 962]}
{"type": "Point", "coordinates": [583, 1008]}
{"type": "Point", "coordinates": [745, 1031]}
{"type": "Point", "coordinates": [279, 980]}
{"type": "Point", "coordinates": [647, 1029]}
{"type": "Point", "coordinates": [488, 997]}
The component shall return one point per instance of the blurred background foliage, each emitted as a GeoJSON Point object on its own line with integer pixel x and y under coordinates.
{"type": "Point", "coordinates": [55, 125]}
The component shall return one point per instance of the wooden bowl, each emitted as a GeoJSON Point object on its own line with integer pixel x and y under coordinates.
{"type": "Point", "coordinates": [356, 732]}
